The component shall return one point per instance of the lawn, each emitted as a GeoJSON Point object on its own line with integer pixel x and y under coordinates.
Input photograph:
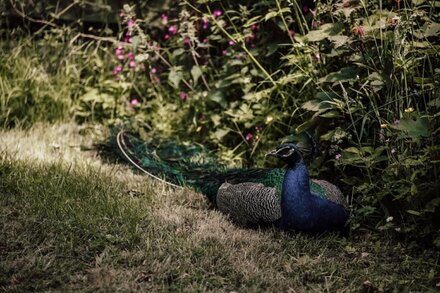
{"type": "Point", "coordinates": [71, 221]}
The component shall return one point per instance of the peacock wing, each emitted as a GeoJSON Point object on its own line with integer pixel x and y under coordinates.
{"type": "Point", "coordinates": [325, 189]}
{"type": "Point", "coordinates": [249, 203]}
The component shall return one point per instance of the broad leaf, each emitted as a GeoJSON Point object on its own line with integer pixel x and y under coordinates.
{"type": "Point", "coordinates": [196, 72]}
{"type": "Point", "coordinates": [414, 128]}
{"type": "Point", "coordinates": [325, 31]}
{"type": "Point", "coordinates": [175, 77]}
{"type": "Point", "coordinates": [345, 74]}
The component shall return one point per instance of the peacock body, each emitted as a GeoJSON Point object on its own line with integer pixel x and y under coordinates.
{"type": "Point", "coordinates": [286, 198]}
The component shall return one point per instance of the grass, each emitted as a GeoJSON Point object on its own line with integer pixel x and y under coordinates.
{"type": "Point", "coordinates": [72, 222]}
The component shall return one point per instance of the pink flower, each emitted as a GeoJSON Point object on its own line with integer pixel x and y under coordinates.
{"type": "Point", "coordinates": [254, 27]}
{"type": "Point", "coordinates": [135, 102]}
{"type": "Point", "coordinates": [132, 64]}
{"type": "Point", "coordinates": [153, 70]}
{"type": "Point", "coordinates": [130, 23]}
{"type": "Point", "coordinates": [305, 8]}
{"type": "Point", "coordinates": [252, 46]}
{"type": "Point", "coordinates": [164, 18]}
{"type": "Point", "coordinates": [117, 70]}
{"type": "Point", "coordinates": [166, 37]}
{"type": "Point", "coordinates": [173, 29]}
{"type": "Point", "coordinates": [183, 96]}
{"type": "Point", "coordinates": [225, 52]}
{"type": "Point", "coordinates": [122, 13]}
{"type": "Point", "coordinates": [231, 43]}
{"type": "Point", "coordinates": [142, 66]}
{"type": "Point", "coordinates": [217, 13]}
{"type": "Point", "coordinates": [187, 41]}
{"type": "Point", "coordinates": [393, 150]}
{"type": "Point", "coordinates": [205, 40]}
{"type": "Point", "coordinates": [205, 24]}
{"type": "Point", "coordinates": [338, 156]}
{"type": "Point", "coordinates": [291, 33]}
{"type": "Point", "coordinates": [119, 51]}
{"type": "Point", "coordinates": [249, 136]}
{"type": "Point", "coordinates": [130, 56]}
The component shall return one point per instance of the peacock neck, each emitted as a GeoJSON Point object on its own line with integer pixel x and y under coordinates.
{"type": "Point", "coordinates": [296, 196]}
{"type": "Point", "coordinates": [296, 183]}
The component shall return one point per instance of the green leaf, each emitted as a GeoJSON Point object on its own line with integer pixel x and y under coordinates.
{"type": "Point", "coordinates": [412, 212]}
{"type": "Point", "coordinates": [175, 77]}
{"type": "Point", "coordinates": [414, 128]}
{"type": "Point", "coordinates": [327, 136]}
{"type": "Point", "coordinates": [196, 72]}
{"type": "Point", "coordinates": [339, 40]}
{"type": "Point", "coordinates": [142, 57]}
{"type": "Point", "coordinates": [432, 30]}
{"type": "Point", "coordinates": [216, 119]}
{"type": "Point", "coordinates": [345, 74]}
{"type": "Point", "coordinates": [325, 31]}
{"type": "Point", "coordinates": [218, 97]}
{"type": "Point", "coordinates": [135, 42]}
{"type": "Point", "coordinates": [275, 13]}
{"type": "Point", "coordinates": [220, 133]}
{"type": "Point", "coordinates": [353, 150]}
{"type": "Point", "coordinates": [178, 52]}
{"type": "Point", "coordinates": [270, 15]}
{"type": "Point", "coordinates": [330, 114]}
{"type": "Point", "coordinates": [418, 2]}
{"type": "Point", "coordinates": [312, 105]}
{"type": "Point", "coordinates": [306, 125]}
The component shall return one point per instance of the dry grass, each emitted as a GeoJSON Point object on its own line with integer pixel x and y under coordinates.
{"type": "Point", "coordinates": [72, 222]}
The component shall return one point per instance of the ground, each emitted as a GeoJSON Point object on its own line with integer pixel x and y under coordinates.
{"type": "Point", "coordinates": [71, 221]}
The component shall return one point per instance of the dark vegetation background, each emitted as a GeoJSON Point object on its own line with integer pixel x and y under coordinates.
{"type": "Point", "coordinates": [239, 77]}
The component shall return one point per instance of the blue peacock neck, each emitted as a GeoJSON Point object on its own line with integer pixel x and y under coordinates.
{"type": "Point", "coordinates": [296, 197]}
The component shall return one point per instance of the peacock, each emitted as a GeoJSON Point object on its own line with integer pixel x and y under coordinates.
{"type": "Point", "coordinates": [283, 197]}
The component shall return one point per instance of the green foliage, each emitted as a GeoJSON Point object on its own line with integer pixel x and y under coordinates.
{"type": "Point", "coordinates": [54, 78]}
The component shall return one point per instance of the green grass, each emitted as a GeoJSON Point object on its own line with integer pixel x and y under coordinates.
{"type": "Point", "coordinates": [72, 222]}
{"type": "Point", "coordinates": [43, 80]}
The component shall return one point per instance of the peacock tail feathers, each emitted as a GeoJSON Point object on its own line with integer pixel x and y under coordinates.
{"type": "Point", "coordinates": [177, 163]}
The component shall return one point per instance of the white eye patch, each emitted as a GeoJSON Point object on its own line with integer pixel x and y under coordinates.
{"type": "Point", "coordinates": [285, 151]}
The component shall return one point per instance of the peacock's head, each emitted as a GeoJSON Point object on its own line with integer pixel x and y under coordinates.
{"type": "Point", "coordinates": [287, 152]}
